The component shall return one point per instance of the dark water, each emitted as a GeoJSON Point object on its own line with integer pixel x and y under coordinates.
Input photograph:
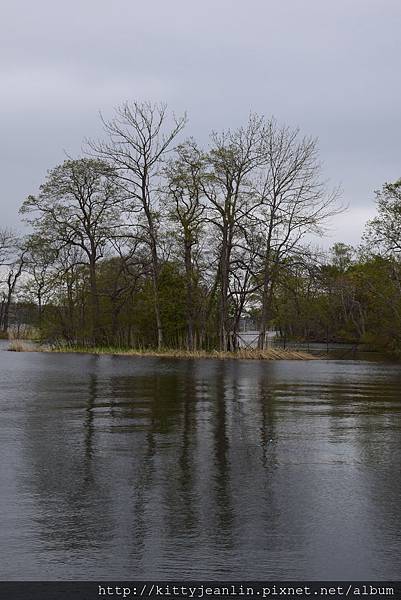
{"type": "Point", "coordinates": [146, 468]}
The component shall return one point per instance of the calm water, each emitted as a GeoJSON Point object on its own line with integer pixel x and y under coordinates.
{"type": "Point", "coordinates": [148, 468]}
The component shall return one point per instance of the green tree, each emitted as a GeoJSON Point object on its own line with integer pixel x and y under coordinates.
{"type": "Point", "coordinates": [186, 211]}
{"type": "Point", "coordinates": [383, 232]}
{"type": "Point", "coordinates": [79, 205]}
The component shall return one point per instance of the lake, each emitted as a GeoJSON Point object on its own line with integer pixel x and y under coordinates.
{"type": "Point", "coordinates": [145, 468]}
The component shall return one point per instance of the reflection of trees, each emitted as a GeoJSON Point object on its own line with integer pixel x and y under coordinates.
{"type": "Point", "coordinates": [181, 465]}
{"type": "Point", "coordinates": [223, 390]}
{"type": "Point", "coordinates": [363, 417]}
{"type": "Point", "coordinates": [180, 493]}
{"type": "Point", "coordinates": [177, 457]}
{"type": "Point", "coordinates": [362, 411]}
{"type": "Point", "coordinates": [198, 472]}
{"type": "Point", "coordinates": [89, 419]}
{"type": "Point", "coordinates": [69, 494]}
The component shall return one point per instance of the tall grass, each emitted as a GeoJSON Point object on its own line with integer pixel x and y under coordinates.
{"type": "Point", "coordinates": [243, 354]}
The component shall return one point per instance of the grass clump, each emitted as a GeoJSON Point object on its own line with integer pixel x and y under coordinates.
{"type": "Point", "coordinates": [21, 346]}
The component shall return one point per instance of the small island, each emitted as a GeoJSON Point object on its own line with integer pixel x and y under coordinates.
{"type": "Point", "coordinates": [154, 244]}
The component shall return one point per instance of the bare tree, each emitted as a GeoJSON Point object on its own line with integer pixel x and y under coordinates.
{"type": "Point", "coordinates": [244, 284]}
{"type": "Point", "coordinates": [293, 200]}
{"type": "Point", "coordinates": [138, 140]}
{"type": "Point", "coordinates": [12, 258]}
{"type": "Point", "coordinates": [233, 157]}
{"type": "Point", "coordinates": [8, 241]}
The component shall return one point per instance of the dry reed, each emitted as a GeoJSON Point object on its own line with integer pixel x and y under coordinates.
{"type": "Point", "coordinates": [242, 354]}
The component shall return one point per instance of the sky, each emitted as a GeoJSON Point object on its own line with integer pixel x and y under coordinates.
{"type": "Point", "coordinates": [330, 67]}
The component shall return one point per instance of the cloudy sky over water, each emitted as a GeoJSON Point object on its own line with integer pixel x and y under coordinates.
{"type": "Point", "coordinates": [331, 67]}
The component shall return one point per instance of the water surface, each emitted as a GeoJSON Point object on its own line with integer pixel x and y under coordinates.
{"type": "Point", "coordinates": [129, 468]}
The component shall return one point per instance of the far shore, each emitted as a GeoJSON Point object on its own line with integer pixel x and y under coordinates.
{"type": "Point", "coordinates": [241, 354]}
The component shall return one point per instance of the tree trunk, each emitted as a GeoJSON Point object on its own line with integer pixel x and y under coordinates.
{"type": "Point", "coordinates": [159, 327]}
{"type": "Point", "coordinates": [6, 314]}
{"type": "Point", "coordinates": [94, 299]}
{"type": "Point", "coordinates": [11, 283]}
{"type": "Point", "coordinates": [224, 283]}
{"type": "Point", "coordinates": [155, 263]}
{"type": "Point", "coordinates": [264, 320]}
{"type": "Point", "coordinates": [189, 295]}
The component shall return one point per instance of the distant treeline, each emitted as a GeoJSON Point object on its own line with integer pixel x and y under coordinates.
{"type": "Point", "coordinates": [152, 241]}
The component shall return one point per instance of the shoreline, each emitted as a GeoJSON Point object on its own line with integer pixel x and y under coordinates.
{"type": "Point", "coordinates": [242, 354]}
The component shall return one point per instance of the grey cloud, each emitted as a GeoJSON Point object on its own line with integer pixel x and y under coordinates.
{"type": "Point", "coordinates": [330, 67]}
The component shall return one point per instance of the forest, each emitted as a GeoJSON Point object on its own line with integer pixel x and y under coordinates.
{"type": "Point", "coordinates": [151, 241]}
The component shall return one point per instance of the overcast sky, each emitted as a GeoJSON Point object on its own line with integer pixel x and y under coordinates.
{"type": "Point", "coordinates": [331, 67]}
